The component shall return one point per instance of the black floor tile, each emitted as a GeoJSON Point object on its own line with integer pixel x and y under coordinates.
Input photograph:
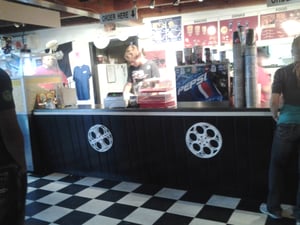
{"type": "Point", "coordinates": [39, 183]}
{"type": "Point", "coordinates": [73, 202]}
{"type": "Point", "coordinates": [118, 211]}
{"type": "Point", "coordinates": [74, 218]}
{"type": "Point", "coordinates": [72, 189]}
{"type": "Point", "coordinates": [169, 219]}
{"type": "Point", "coordinates": [112, 195]}
{"type": "Point", "coordinates": [249, 205]}
{"type": "Point", "coordinates": [35, 207]}
{"type": "Point", "coordinates": [284, 221]}
{"type": "Point", "coordinates": [158, 203]}
{"type": "Point", "coordinates": [147, 189]}
{"type": "Point", "coordinates": [32, 221]}
{"type": "Point", "coordinates": [37, 194]}
{"type": "Point", "coordinates": [127, 223]}
{"type": "Point", "coordinates": [215, 213]}
{"type": "Point", "coordinates": [71, 179]}
{"type": "Point", "coordinates": [106, 184]}
{"type": "Point", "coordinates": [196, 196]}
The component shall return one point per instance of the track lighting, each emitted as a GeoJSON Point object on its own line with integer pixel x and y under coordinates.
{"type": "Point", "coordinates": [176, 2]}
{"type": "Point", "coordinates": [152, 4]}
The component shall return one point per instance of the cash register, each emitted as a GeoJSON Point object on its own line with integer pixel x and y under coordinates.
{"type": "Point", "coordinates": [115, 100]}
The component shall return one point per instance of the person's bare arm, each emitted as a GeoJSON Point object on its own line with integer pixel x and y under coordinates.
{"type": "Point", "coordinates": [275, 104]}
{"type": "Point", "coordinates": [127, 88]}
{"type": "Point", "coordinates": [12, 135]}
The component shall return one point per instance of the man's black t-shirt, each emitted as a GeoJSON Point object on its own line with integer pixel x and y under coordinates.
{"type": "Point", "coordinates": [6, 97]}
{"type": "Point", "coordinates": [285, 81]}
{"type": "Point", "coordinates": [6, 103]}
{"type": "Point", "coordinates": [140, 73]}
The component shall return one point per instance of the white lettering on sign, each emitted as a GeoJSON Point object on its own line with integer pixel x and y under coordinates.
{"type": "Point", "coordinates": [119, 16]}
{"type": "Point", "coordinates": [238, 15]}
{"type": "Point", "coordinates": [280, 2]}
{"type": "Point", "coordinates": [200, 21]}
{"type": "Point", "coordinates": [281, 9]}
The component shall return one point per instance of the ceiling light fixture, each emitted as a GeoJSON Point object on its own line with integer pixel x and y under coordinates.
{"type": "Point", "coordinates": [152, 4]}
{"type": "Point", "coordinates": [200, 0]}
{"type": "Point", "coordinates": [176, 2]}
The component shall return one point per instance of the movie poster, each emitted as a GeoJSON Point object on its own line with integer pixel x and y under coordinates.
{"type": "Point", "coordinates": [166, 30]}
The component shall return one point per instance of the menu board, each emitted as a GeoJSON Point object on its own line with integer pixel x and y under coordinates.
{"type": "Point", "coordinates": [203, 34]}
{"type": "Point", "coordinates": [166, 30]}
{"type": "Point", "coordinates": [273, 24]}
{"type": "Point", "coordinates": [227, 27]}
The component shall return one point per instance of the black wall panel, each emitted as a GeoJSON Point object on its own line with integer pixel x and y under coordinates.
{"type": "Point", "coordinates": [152, 149]}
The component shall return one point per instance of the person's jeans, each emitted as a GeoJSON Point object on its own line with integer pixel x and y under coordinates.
{"type": "Point", "coordinates": [13, 187]}
{"type": "Point", "coordinates": [286, 141]}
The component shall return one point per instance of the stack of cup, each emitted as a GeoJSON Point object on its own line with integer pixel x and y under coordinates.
{"type": "Point", "coordinates": [198, 51]}
{"type": "Point", "coordinates": [250, 70]}
{"type": "Point", "coordinates": [188, 55]}
{"type": "Point", "coordinates": [179, 58]}
{"type": "Point", "coordinates": [238, 72]}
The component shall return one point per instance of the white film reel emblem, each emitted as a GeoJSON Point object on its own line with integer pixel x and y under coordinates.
{"type": "Point", "coordinates": [100, 138]}
{"type": "Point", "coordinates": [203, 140]}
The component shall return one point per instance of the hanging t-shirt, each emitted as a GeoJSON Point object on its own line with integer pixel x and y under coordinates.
{"type": "Point", "coordinates": [81, 77]}
{"type": "Point", "coordinates": [64, 63]}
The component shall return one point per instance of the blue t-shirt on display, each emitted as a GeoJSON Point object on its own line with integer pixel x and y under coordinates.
{"type": "Point", "coordinates": [81, 77]}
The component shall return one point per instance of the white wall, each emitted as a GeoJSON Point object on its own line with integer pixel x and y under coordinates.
{"type": "Point", "coordinates": [82, 35]}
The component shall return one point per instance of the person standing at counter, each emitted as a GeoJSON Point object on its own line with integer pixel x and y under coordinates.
{"type": "Point", "coordinates": [50, 67]}
{"type": "Point", "coordinates": [263, 78]}
{"type": "Point", "coordinates": [13, 178]}
{"type": "Point", "coordinates": [139, 69]}
{"type": "Point", "coordinates": [286, 140]}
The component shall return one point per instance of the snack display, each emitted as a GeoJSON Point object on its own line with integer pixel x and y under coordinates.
{"type": "Point", "coordinates": [156, 93]}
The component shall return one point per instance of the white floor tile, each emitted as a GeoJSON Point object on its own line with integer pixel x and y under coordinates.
{"type": "Point", "coordinates": [240, 217]}
{"type": "Point", "coordinates": [134, 199]}
{"type": "Point", "coordinates": [55, 186]}
{"type": "Point", "coordinates": [126, 186]}
{"type": "Point", "coordinates": [197, 221]}
{"type": "Point", "coordinates": [55, 176]}
{"type": "Point", "coordinates": [144, 216]}
{"type": "Point", "coordinates": [88, 181]}
{"type": "Point", "coordinates": [53, 198]}
{"type": "Point", "coordinates": [184, 208]}
{"type": "Point", "coordinates": [98, 220]}
{"type": "Point", "coordinates": [223, 201]}
{"type": "Point", "coordinates": [170, 193]}
{"type": "Point", "coordinates": [52, 214]}
{"type": "Point", "coordinates": [30, 189]}
{"type": "Point", "coordinates": [31, 179]}
{"type": "Point", "coordinates": [91, 192]}
{"type": "Point", "coordinates": [94, 206]}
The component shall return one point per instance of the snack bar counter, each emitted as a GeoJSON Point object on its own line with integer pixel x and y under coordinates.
{"type": "Point", "coordinates": [221, 150]}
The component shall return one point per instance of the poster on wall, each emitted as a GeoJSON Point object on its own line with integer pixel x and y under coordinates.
{"type": "Point", "coordinates": [280, 24]}
{"type": "Point", "coordinates": [159, 57]}
{"type": "Point", "coordinates": [227, 27]}
{"type": "Point", "coordinates": [203, 34]}
{"type": "Point", "coordinates": [166, 30]}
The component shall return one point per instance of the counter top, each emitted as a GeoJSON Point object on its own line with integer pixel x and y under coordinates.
{"type": "Point", "coordinates": [203, 111]}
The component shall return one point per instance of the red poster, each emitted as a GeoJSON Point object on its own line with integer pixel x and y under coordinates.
{"type": "Point", "coordinates": [227, 27]}
{"type": "Point", "coordinates": [159, 57]}
{"type": "Point", "coordinates": [204, 34]}
{"type": "Point", "coordinates": [276, 25]}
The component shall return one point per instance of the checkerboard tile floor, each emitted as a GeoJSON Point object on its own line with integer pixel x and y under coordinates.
{"type": "Point", "coordinates": [62, 199]}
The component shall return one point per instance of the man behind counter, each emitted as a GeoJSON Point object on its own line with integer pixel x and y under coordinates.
{"type": "Point", "coordinates": [139, 69]}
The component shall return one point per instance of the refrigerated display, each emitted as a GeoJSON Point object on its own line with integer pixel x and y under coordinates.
{"type": "Point", "coordinates": [203, 85]}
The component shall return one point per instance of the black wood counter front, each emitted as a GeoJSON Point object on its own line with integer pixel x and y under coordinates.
{"type": "Point", "coordinates": [224, 151]}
